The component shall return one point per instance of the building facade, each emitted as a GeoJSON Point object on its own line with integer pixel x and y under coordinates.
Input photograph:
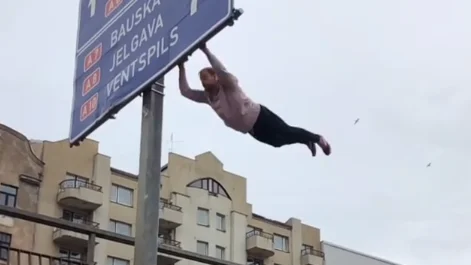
{"type": "Point", "coordinates": [204, 208]}
{"type": "Point", "coordinates": [338, 255]}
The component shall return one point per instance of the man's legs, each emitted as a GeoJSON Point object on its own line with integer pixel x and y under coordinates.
{"type": "Point", "coordinates": [272, 130]}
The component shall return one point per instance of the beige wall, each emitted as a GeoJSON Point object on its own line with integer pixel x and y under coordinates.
{"type": "Point", "coordinates": [19, 167]}
{"type": "Point", "coordinates": [125, 214]}
{"type": "Point", "coordinates": [85, 161]}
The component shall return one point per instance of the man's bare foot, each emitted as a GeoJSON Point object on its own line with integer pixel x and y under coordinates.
{"type": "Point", "coordinates": [312, 147]}
{"type": "Point", "coordinates": [324, 145]}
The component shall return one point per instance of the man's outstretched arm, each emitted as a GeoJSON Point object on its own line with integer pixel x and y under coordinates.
{"type": "Point", "coordinates": [219, 67]}
{"type": "Point", "coordinates": [186, 91]}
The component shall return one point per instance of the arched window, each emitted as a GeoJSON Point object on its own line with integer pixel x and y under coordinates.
{"type": "Point", "coordinates": [210, 185]}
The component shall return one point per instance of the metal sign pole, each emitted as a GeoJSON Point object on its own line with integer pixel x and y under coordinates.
{"type": "Point", "coordinates": [147, 216]}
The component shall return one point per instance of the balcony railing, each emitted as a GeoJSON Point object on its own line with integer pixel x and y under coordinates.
{"type": "Point", "coordinates": [312, 251]}
{"type": "Point", "coordinates": [70, 261]}
{"type": "Point", "coordinates": [78, 183]}
{"type": "Point", "coordinates": [14, 256]}
{"type": "Point", "coordinates": [259, 233]}
{"type": "Point", "coordinates": [169, 242]}
{"type": "Point", "coordinates": [82, 221]}
{"type": "Point", "coordinates": [165, 204]}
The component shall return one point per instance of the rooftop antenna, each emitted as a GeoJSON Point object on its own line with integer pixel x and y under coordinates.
{"type": "Point", "coordinates": [172, 142]}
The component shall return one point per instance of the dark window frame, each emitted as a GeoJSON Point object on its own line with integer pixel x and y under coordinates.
{"type": "Point", "coordinates": [211, 185]}
{"type": "Point", "coordinates": [5, 243]}
{"type": "Point", "coordinates": [6, 196]}
{"type": "Point", "coordinates": [254, 261]}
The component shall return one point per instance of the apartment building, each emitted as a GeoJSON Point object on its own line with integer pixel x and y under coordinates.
{"type": "Point", "coordinates": [339, 255]}
{"type": "Point", "coordinates": [203, 208]}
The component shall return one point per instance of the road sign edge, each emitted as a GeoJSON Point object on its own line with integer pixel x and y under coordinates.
{"type": "Point", "coordinates": [75, 69]}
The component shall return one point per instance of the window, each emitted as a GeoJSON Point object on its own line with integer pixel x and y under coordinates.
{"type": "Point", "coordinates": [116, 261]}
{"type": "Point", "coordinates": [5, 242]}
{"type": "Point", "coordinates": [202, 247]}
{"type": "Point", "coordinates": [120, 227]}
{"type": "Point", "coordinates": [8, 195]}
{"type": "Point", "coordinates": [210, 185]}
{"type": "Point", "coordinates": [254, 262]}
{"type": "Point", "coordinates": [203, 217]}
{"type": "Point", "coordinates": [121, 195]}
{"type": "Point", "coordinates": [220, 222]}
{"type": "Point", "coordinates": [69, 257]}
{"type": "Point", "coordinates": [75, 217]}
{"type": "Point", "coordinates": [220, 252]}
{"type": "Point", "coordinates": [281, 243]}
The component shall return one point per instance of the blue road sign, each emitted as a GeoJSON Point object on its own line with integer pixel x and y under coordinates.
{"type": "Point", "coordinates": [124, 45]}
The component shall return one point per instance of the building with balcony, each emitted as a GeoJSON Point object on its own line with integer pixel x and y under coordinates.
{"type": "Point", "coordinates": [203, 208]}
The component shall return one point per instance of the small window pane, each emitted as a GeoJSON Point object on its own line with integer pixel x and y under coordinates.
{"type": "Point", "coordinates": [123, 229]}
{"type": "Point", "coordinates": [197, 184]}
{"type": "Point", "coordinates": [75, 255]}
{"type": "Point", "coordinates": [8, 189]}
{"type": "Point", "coordinates": [125, 196]}
{"type": "Point", "coordinates": [5, 239]}
{"type": "Point", "coordinates": [120, 228]}
{"type": "Point", "coordinates": [205, 184]}
{"type": "Point", "coordinates": [11, 201]}
{"type": "Point", "coordinates": [280, 243]}
{"type": "Point", "coordinates": [121, 195]}
{"type": "Point", "coordinates": [254, 262]}
{"type": "Point", "coordinates": [112, 226]}
{"type": "Point", "coordinates": [202, 248]}
{"type": "Point", "coordinates": [215, 187]}
{"type": "Point", "coordinates": [116, 261]}
{"type": "Point", "coordinates": [114, 193]}
{"type": "Point", "coordinates": [220, 222]}
{"type": "Point", "coordinates": [8, 195]}
{"type": "Point", "coordinates": [220, 252]}
{"type": "Point", "coordinates": [222, 192]}
{"type": "Point", "coordinates": [121, 262]}
{"type": "Point", "coordinates": [203, 217]}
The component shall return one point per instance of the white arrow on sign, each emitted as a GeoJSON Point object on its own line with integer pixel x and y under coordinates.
{"type": "Point", "coordinates": [92, 6]}
{"type": "Point", "coordinates": [193, 7]}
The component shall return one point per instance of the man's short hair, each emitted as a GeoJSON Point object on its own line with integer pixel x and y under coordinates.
{"type": "Point", "coordinates": [208, 69]}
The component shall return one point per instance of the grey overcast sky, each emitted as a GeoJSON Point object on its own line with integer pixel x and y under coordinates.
{"type": "Point", "coordinates": [401, 66]}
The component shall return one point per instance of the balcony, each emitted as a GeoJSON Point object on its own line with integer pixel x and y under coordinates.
{"type": "Point", "coordinates": [310, 256]}
{"type": "Point", "coordinates": [69, 238]}
{"type": "Point", "coordinates": [15, 256]}
{"type": "Point", "coordinates": [164, 259]}
{"type": "Point", "coordinates": [259, 244]}
{"type": "Point", "coordinates": [80, 194]}
{"type": "Point", "coordinates": [171, 216]}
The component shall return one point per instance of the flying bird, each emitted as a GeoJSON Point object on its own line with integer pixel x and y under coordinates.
{"type": "Point", "coordinates": [356, 121]}
{"type": "Point", "coordinates": [429, 164]}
